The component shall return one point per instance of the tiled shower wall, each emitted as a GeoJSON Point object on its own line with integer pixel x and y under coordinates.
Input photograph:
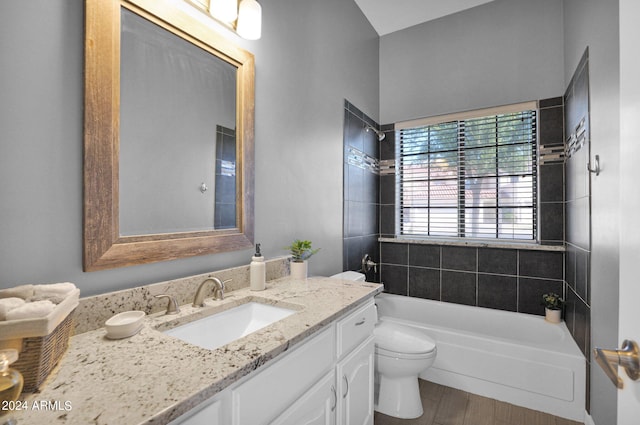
{"type": "Point", "coordinates": [361, 190]}
{"type": "Point", "coordinates": [225, 199]}
{"type": "Point", "coordinates": [578, 206]}
{"type": "Point", "coordinates": [578, 237]}
{"type": "Point", "coordinates": [505, 279]}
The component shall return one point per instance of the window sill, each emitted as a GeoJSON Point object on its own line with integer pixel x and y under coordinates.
{"type": "Point", "coordinates": [477, 244]}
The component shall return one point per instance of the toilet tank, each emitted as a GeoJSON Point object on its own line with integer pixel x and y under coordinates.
{"type": "Point", "coordinates": [355, 276]}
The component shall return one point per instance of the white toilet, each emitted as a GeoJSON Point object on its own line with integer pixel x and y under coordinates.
{"type": "Point", "coordinates": [401, 354]}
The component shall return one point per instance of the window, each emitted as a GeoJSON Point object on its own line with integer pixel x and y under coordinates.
{"type": "Point", "coordinates": [469, 176]}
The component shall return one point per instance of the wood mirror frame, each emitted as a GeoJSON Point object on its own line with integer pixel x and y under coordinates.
{"type": "Point", "coordinates": [104, 248]}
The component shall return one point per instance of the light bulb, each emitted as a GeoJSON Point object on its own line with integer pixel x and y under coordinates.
{"type": "Point", "coordinates": [224, 10]}
{"type": "Point", "coordinates": [249, 20]}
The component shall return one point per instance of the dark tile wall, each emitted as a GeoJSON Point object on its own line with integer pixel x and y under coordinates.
{"type": "Point", "coordinates": [578, 216]}
{"type": "Point", "coordinates": [388, 182]}
{"type": "Point", "coordinates": [551, 172]}
{"type": "Point", "coordinates": [361, 190]}
{"type": "Point", "coordinates": [225, 198]}
{"type": "Point", "coordinates": [504, 279]}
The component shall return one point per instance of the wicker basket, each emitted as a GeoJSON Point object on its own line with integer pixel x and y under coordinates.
{"type": "Point", "coordinates": [41, 342]}
{"type": "Point", "coordinates": [39, 355]}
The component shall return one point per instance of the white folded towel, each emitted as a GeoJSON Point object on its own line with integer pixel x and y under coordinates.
{"type": "Point", "coordinates": [31, 310]}
{"type": "Point", "coordinates": [53, 298]}
{"type": "Point", "coordinates": [7, 304]}
{"type": "Point", "coordinates": [22, 291]}
{"type": "Point", "coordinates": [59, 290]}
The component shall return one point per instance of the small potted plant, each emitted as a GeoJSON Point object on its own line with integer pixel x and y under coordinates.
{"type": "Point", "coordinates": [553, 307]}
{"type": "Point", "coordinates": [300, 253]}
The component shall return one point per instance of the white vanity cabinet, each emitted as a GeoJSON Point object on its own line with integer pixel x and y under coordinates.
{"type": "Point", "coordinates": [326, 380]}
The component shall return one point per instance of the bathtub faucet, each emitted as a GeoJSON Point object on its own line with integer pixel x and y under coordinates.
{"type": "Point", "coordinates": [368, 264]}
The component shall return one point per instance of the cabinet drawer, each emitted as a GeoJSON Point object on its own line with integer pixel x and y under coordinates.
{"type": "Point", "coordinates": [270, 392]}
{"type": "Point", "coordinates": [356, 327]}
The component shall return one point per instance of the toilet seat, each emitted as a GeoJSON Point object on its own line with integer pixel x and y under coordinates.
{"type": "Point", "coordinates": [405, 356]}
{"type": "Point", "coordinates": [399, 341]}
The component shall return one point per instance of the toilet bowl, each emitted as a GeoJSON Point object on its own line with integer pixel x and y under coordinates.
{"type": "Point", "coordinates": [401, 354]}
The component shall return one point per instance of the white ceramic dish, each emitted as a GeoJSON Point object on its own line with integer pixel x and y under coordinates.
{"type": "Point", "coordinates": [124, 325]}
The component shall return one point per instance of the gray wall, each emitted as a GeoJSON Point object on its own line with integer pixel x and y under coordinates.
{"type": "Point", "coordinates": [311, 57]}
{"type": "Point", "coordinates": [506, 51]}
{"type": "Point", "coordinates": [319, 53]}
{"type": "Point", "coordinates": [594, 23]}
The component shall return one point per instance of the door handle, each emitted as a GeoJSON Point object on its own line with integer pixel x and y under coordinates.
{"type": "Point", "coordinates": [628, 357]}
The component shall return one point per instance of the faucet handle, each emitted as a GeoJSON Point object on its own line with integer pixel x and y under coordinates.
{"type": "Point", "coordinates": [220, 290]}
{"type": "Point", "coordinates": [172, 305]}
{"type": "Point", "coordinates": [368, 264]}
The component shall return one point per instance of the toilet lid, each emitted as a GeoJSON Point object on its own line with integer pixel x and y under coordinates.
{"type": "Point", "coordinates": [402, 339]}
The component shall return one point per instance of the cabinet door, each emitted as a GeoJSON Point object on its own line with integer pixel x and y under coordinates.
{"type": "Point", "coordinates": [316, 407]}
{"type": "Point", "coordinates": [355, 386]}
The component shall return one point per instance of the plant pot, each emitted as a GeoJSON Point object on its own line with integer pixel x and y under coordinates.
{"type": "Point", "coordinates": [553, 316]}
{"type": "Point", "coordinates": [299, 269]}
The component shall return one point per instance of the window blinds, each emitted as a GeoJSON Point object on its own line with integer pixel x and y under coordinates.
{"type": "Point", "coordinates": [470, 178]}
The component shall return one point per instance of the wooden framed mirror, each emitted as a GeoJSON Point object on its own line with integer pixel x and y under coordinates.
{"type": "Point", "coordinates": [139, 209]}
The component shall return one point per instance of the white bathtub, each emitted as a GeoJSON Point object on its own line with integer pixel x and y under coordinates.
{"type": "Point", "coordinates": [512, 357]}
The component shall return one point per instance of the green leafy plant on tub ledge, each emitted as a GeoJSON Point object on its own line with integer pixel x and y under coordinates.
{"type": "Point", "coordinates": [552, 301]}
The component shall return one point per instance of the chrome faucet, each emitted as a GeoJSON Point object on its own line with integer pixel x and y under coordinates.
{"type": "Point", "coordinates": [218, 291]}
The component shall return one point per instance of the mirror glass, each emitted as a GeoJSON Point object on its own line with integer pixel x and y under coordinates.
{"type": "Point", "coordinates": [177, 133]}
{"type": "Point", "coordinates": [169, 128]}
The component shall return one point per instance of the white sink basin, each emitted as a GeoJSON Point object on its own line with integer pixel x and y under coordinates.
{"type": "Point", "coordinates": [222, 328]}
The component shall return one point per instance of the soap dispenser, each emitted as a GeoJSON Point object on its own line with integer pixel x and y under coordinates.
{"type": "Point", "coordinates": [257, 271]}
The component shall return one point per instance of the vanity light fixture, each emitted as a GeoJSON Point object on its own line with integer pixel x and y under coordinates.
{"type": "Point", "coordinates": [249, 24]}
{"type": "Point", "coordinates": [224, 10]}
{"type": "Point", "coordinates": [244, 18]}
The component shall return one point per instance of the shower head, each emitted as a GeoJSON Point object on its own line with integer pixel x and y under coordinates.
{"type": "Point", "coordinates": [379, 133]}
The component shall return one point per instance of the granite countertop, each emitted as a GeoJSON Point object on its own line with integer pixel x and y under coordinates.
{"type": "Point", "coordinates": [152, 378]}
